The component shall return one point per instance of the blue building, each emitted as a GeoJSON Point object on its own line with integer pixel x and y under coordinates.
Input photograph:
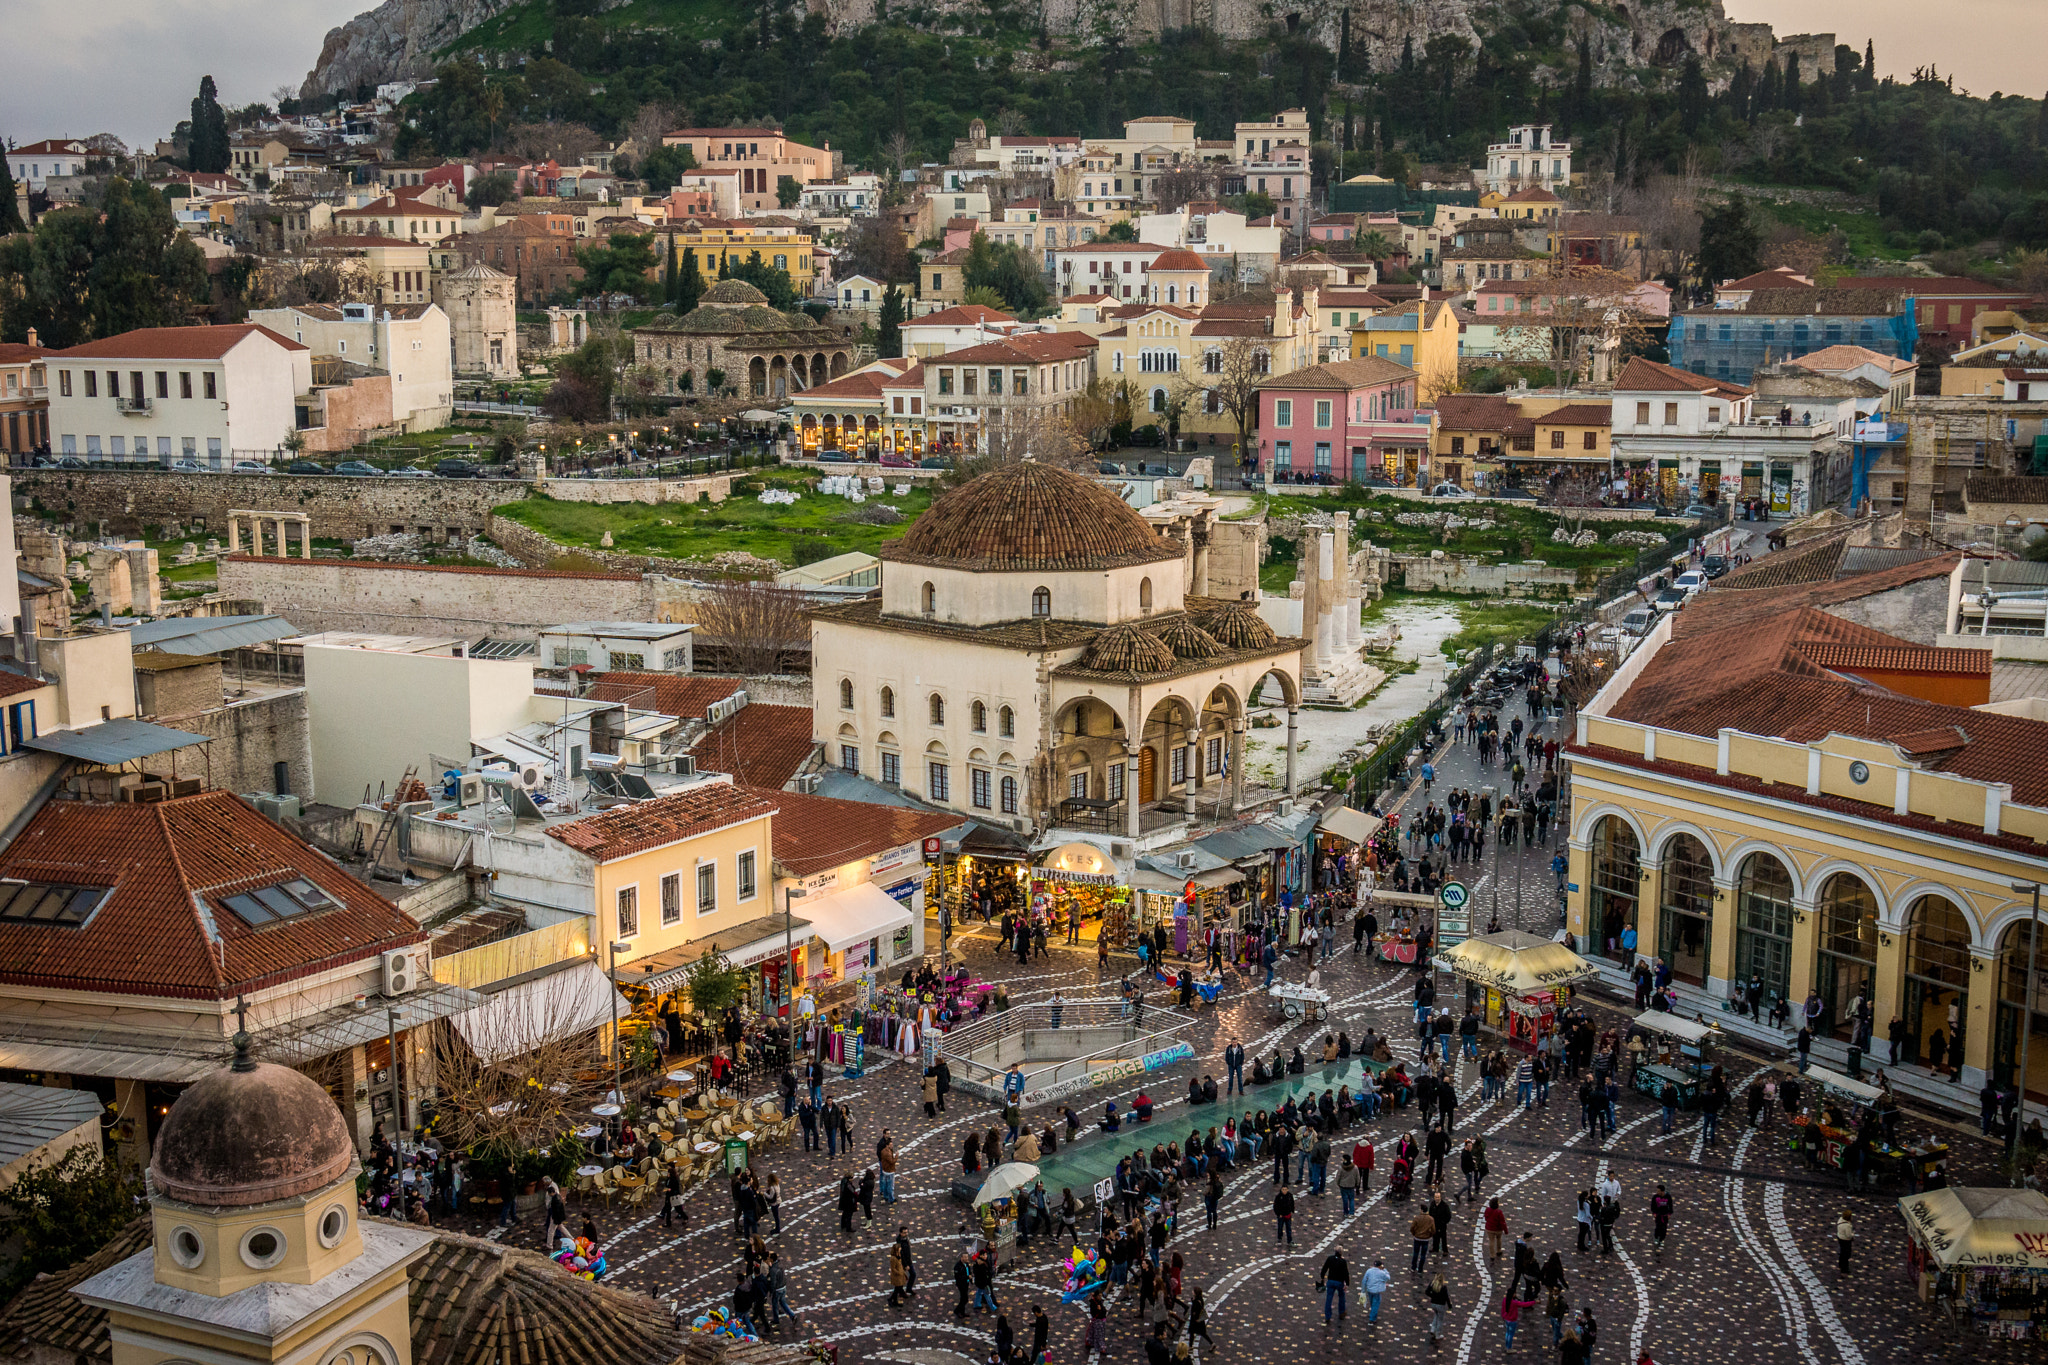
{"type": "Point", "coordinates": [1784, 324]}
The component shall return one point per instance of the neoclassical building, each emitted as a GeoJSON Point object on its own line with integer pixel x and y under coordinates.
{"type": "Point", "coordinates": [1768, 791]}
{"type": "Point", "coordinates": [757, 351]}
{"type": "Point", "coordinates": [1036, 659]}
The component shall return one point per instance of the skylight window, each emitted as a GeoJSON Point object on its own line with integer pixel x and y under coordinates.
{"type": "Point", "coordinates": [49, 902]}
{"type": "Point", "coordinates": [284, 901]}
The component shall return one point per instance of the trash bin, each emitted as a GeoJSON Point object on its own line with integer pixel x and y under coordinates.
{"type": "Point", "coordinates": [1855, 1062]}
{"type": "Point", "coordinates": [735, 1155]}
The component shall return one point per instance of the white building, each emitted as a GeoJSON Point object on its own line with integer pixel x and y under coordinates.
{"type": "Point", "coordinates": [1890, 373]}
{"type": "Point", "coordinates": [631, 646]}
{"type": "Point", "coordinates": [1119, 268]}
{"type": "Point", "coordinates": [34, 164]}
{"type": "Point", "coordinates": [851, 197]}
{"type": "Point", "coordinates": [950, 329]}
{"type": "Point", "coordinates": [1256, 140]}
{"type": "Point", "coordinates": [410, 342]}
{"type": "Point", "coordinates": [860, 293]}
{"type": "Point", "coordinates": [179, 393]}
{"type": "Point", "coordinates": [1698, 436]}
{"type": "Point", "coordinates": [1530, 156]}
{"type": "Point", "coordinates": [1217, 233]}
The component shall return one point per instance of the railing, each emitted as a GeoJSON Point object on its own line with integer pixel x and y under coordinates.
{"type": "Point", "coordinates": [137, 406]}
{"type": "Point", "coordinates": [1143, 1028]}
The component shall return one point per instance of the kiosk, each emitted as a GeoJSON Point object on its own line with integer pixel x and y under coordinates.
{"type": "Point", "coordinates": [1683, 1053]}
{"type": "Point", "coordinates": [1981, 1255]}
{"type": "Point", "coordinates": [1525, 977]}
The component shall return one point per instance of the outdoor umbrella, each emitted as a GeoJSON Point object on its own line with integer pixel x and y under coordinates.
{"type": "Point", "coordinates": [1005, 1180]}
{"type": "Point", "coordinates": [1515, 963]}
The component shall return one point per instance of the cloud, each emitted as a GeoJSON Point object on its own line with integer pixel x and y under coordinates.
{"type": "Point", "coordinates": [131, 67]}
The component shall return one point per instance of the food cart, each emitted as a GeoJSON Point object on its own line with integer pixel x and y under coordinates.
{"type": "Point", "coordinates": [1982, 1256]}
{"type": "Point", "coordinates": [1525, 978]}
{"type": "Point", "coordinates": [1678, 1052]}
{"type": "Point", "coordinates": [1000, 1202]}
{"type": "Point", "coordinates": [1828, 1122]}
{"type": "Point", "coordinates": [1403, 914]}
{"type": "Point", "coordinates": [1299, 1001]}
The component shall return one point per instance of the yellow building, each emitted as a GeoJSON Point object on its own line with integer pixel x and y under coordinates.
{"type": "Point", "coordinates": [682, 873]}
{"type": "Point", "coordinates": [1768, 792]}
{"type": "Point", "coordinates": [778, 242]}
{"type": "Point", "coordinates": [1422, 335]}
{"type": "Point", "coordinates": [1979, 371]}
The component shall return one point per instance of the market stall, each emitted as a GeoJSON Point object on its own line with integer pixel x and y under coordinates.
{"type": "Point", "coordinates": [1837, 1108]}
{"type": "Point", "coordinates": [1679, 1052]}
{"type": "Point", "coordinates": [1982, 1254]}
{"type": "Point", "coordinates": [1526, 979]}
{"type": "Point", "coordinates": [1084, 875]}
{"type": "Point", "coordinates": [1405, 924]}
{"type": "Point", "coordinates": [998, 1204]}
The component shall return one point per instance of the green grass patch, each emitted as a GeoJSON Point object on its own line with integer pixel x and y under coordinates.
{"type": "Point", "coordinates": [1500, 624]}
{"type": "Point", "coordinates": [1865, 231]}
{"type": "Point", "coordinates": [742, 523]}
{"type": "Point", "coordinates": [1518, 533]}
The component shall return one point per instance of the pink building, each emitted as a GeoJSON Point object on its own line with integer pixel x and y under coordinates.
{"type": "Point", "coordinates": [1347, 420]}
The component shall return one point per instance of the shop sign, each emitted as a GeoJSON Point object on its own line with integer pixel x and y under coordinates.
{"type": "Point", "coordinates": [883, 865]}
{"type": "Point", "coordinates": [932, 846]}
{"type": "Point", "coordinates": [1453, 895]}
{"type": "Point", "coordinates": [904, 890]}
{"type": "Point", "coordinates": [1061, 874]}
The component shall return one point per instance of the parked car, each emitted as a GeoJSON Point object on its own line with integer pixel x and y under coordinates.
{"type": "Point", "coordinates": [1638, 621]}
{"type": "Point", "coordinates": [834, 456]}
{"type": "Point", "coordinates": [1671, 599]}
{"type": "Point", "coordinates": [1692, 582]}
{"type": "Point", "coordinates": [1450, 490]}
{"type": "Point", "coordinates": [249, 467]}
{"type": "Point", "coordinates": [305, 467]}
{"type": "Point", "coordinates": [934, 462]}
{"type": "Point", "coordinates": [72, 462]}
{"type": "Point", "coordinates": [1696, 510]}
{"type": "Point", "coordinates": [408, 472]}
{"type": "Point", "coordinates": [1105, 467]}
{"type": "Point", "coordinates": [358, 467]}
{"type": "Point", "coordinates": [187, 467]}
{"type": "Point", "coordinates": [456, 469]}
{"type": "Point", "coordinates": [1715, 566]}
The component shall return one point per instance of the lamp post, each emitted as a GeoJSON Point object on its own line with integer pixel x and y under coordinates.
{"type": "Point", "coordinates": [397, 1097]}
{"type": "Point", "coordinates": [789, 899]}
{"type": "Point", "coordinates": [2026, 1009]}
{"type": "Point", "coordinates": [618, 1090]}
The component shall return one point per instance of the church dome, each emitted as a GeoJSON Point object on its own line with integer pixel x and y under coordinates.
{"type": "Point", "coordinates": [243, 1137]}
{"type": "Point", "coordinates": [1126, 649]}
{"type": "Point", "coordinates": [737, 292]}
{"type": "Point", "coordinates": [1028, 516]}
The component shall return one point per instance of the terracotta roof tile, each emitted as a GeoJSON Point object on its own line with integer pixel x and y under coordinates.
{"type": "Point", "coordinates": [173, 343]}
{"type": "Point", "coordinates": [1579, 415]}
{"type": "Point", "coordinates": [626, 830]}
{"type": "Point", "coordinates": [960, 315]}
{"type": "Point", "coordinates": [817, 833]}
{"type": "Point", "coordinates": [1341, 375]}
{"type": "Point", "coordinates": [681, 695]}
{"type": "Point", "coordinates": [1029, 516]}
{"type": "Point", "coordinates": [1647, 376]}
{"type": "Point", "coordinates": [163, 861]}
{"type": "Point", "coordinates": [1850, 658]}
{"type": "Point", "coordinates": [761, 745]}
{"type": "Point", "coordinates": [2018, 488]}
{"type": "Point", "coordinates": [14, 684]}
{"type": "Point", "coordinates": [1474, 412]}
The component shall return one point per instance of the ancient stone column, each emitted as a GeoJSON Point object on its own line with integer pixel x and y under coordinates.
{"type": "Point", "coordinates": [1291, 711]}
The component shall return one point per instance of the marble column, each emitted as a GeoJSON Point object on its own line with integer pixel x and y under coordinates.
{"type": "Point", "coordinates": [234, 534]}
{"type": "Point", "coordinates": [1291, 713]}
{"type": "Point", "coordinates": [1235, 777]}
{"type": "Point", "coordinates": [1326, 599]}
{"type": "Point", "coordinates": [1194, 771]}
{"type": "Point", "coordinates": [306, 537]}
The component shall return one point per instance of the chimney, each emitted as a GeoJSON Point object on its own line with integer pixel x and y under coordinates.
{"type": "Point", "coordinates": [33, 340]}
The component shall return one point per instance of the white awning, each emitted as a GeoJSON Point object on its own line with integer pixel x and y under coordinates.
{"type": "Point", "coordinates": [521, 1018]}
{"type": "Point", "coordinates": [855, 915]}
{"type": "Point", "coordinates": [1347, 823]}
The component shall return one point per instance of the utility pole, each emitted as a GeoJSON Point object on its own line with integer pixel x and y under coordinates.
{"type": "Point", "coordinates": [2026, 1012]}
{"type": "Point", "coordinates": [789, 984]}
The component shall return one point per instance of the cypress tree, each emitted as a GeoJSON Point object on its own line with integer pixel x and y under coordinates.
{"type": "Point", "coordinates": [889, 331]}
{"type": "Point", "coordinates": [10, 208]}
{"type": "Point", "coordinates": [1791, 95]}
{"type": "Point", "coordinates": [675, 279]}
{"type": "Point", "coordinates": [1869, 65]}
{"type": "Point", "coordinates": [209, 141]}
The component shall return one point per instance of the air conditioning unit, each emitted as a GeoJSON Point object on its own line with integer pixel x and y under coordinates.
{"type": "Point", "coordinates": [1119, 848]}
{"type": "Point", "coordinates": [1184, 862]}
{"type": "Point", "coordinates": [686, 765]}
{"type": "Point", "coordinates": [807, 784]}
{"type": "Point", "coordinates": [471, 791]}
{"type": "Point", "coordinates": [533, 776]}
{"type": "Point", "coordinates": [404, 970]}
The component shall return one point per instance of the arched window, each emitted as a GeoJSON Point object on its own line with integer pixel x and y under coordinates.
{"type": "Point", "coordinates": [1009, 796]}
{"type": "Point", "coordinates": [977, 718]}
{"type": "Point", "coordinates": [938, 709]}
{"type": "Point", "coordinates": [1159, 400]}
{"type": "Point", "coordinates": [1763, 923]}
{"type": "Point", "coordinates": [846, 694]}
{"type": "Point", "coordinates": [1006, 722]}
{"type": "Point", "coordinates": [1212, 361]}
{"type": "Point", "coordinates": [2016, 948]}
{"type": "Point", "coordinates": [888, 701]}
{"type": "Point", "coordinates": [1686, 922]}
{"type": "Point", "coordinates": [1937, 973]}
{"type": "Point", "coordinates": [1846, 969]}
{"type": "Point", "coordinates": [1145, 595]}
{"type": "Point", "coordinates": [930, 600]}
{"type": "Point", "coordinates": [1041, 601]}
{"type": "Point", "coordinates": [1611, 909]}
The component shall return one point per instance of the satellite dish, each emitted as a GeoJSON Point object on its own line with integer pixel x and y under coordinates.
{"type": "Point", "coordinates": [2034, 534]}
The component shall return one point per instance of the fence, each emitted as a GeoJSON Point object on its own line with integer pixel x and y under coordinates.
{"type": "Point", "coordinates": [1138, 1032]}
{"type": "Point", "coordinates": [1375, 772]}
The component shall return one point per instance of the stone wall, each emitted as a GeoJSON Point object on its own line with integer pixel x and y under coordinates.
{"type": "Point", "coordinates": [531, 547]}
{"type": "Point", "coordinates": [1457, 573]}
{"type": "Point", "coordinates": [342, 508]}
{"type": "Point", "coordinates": [250, 736]}
{"type": "Point", "coordinates": [415, 599]}
{"type": "Point", "coordinates": [708, 488]}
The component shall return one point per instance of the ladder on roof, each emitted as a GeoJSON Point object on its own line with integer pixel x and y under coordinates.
{"type": "Point", "coordinates": [389, 823]}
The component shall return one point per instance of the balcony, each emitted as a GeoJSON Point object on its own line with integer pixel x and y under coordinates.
{"type": "Point", "coordinates": [138, 406]}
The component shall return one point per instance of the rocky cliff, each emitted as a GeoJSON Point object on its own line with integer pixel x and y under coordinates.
{"type": "Point", "coordinates": [398, 38]}
{"type": "Point", "coordinates": [395, 41]}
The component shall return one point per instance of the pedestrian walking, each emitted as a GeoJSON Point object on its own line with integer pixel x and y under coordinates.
{"type": "Point", "coordinates": [1438, 1297]}
{"type": "Point", "coordinates": [1375, 1282]}
{"type": "Point", "coordinates": [1334, 1280]}
{"type": "Point", "coordinates": [1496, 1224]}
{"type": "Point", "coordinates": [1347, 1188]}
{"type": "Point", "coordinates": [1845, 1239]}
{"type": "Point", "coordinates": [1422, 1228]}
{"type": "Point", "coordinates": [963, 1284]}
{"type": "Point", "coordinates": [849, 1200]}
{"type": "Point", "coordinates": [1660, 1217]}
{"type": "Point", "coordinates": [1283, 1211]}
{"type": "Point", "coordinates": [1511, 1310]}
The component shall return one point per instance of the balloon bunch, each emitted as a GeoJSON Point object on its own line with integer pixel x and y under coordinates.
{"type": "Point", "coordinates": [585, 1258]}
{"type": "Point", "coordinates": [720, 1322]}
{"type": "Point", "coordinates": [1085, 1274]}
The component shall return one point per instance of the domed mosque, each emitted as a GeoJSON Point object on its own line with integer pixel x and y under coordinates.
{"type": "Point", "coordinates": [1036, 659]}
{"type": "Point", "coordinates": [253, 1250]}
{"type": "Point", "coordinates": [755, 350]}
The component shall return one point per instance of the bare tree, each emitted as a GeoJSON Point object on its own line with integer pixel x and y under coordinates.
{"type": "Point", "coordinates": [566, 143]}
{"type": "Point", "coordinates": [1097, 409]}
{"type": "Point", "coordinates": [1182, 183]}
{"type": "Point", "coordinates": [1042, 431]}
{"type": "Point", "coordinates": [650, 123]}
{"type": "Point", "coordinates": [1228, 376]}
{"type": "Point", "coordinates": [509, 1076]}
{"type": "Point", "coordinates": [754, 623]}
{"type": "Point", "coordinates": [314, 276]}
{"type": "Point", "coordinates": [1579, 311]}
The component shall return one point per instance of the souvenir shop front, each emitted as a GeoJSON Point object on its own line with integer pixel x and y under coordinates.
{"type": "Point", "coordinates": [1082, 874]}
{"type": "Point", "coordinates": [1341, 836]}
{"type": "Point", "coordinates": [773, 955]}
{"type": "Point", "coordinates": [1981, 1255]}
{"type": "Point", "coordinates": [1187, 904]}
{"type": "Point", "coordinates": [863, 928]}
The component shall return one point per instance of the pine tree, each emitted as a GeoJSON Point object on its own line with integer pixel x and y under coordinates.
{"type": "Point", "coordinates": [691, 287]}
{"type": "Point", "coordinates": [889, 331]}
{"type": "Point", "coordinates": [1692, 96]}
{"type": "Point", "coordinates": [675, 277]}
{"type": "Point", "coordinates": [10, 207]}
{"type": "Point", "coordinates": [209, 144]}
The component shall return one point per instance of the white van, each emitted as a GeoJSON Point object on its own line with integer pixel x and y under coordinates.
{"type": "Point", "coordinates": [1638, 621]}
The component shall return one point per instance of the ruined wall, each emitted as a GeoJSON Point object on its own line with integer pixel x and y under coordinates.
{"type": "Point", "coordinates": [414, 599]}
{"type": "Point", "coordinates": [342, 508]}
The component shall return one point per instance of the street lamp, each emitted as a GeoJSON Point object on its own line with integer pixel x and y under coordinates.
{"type": "Point", "coordinates": [618, 1090]}
{"type": "Point", "coordinates": [397, 1099]}
{"type": "Point", "coordinates": [2026, 1006]}
{"type": "Point", "coordinates": [789, 898]}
